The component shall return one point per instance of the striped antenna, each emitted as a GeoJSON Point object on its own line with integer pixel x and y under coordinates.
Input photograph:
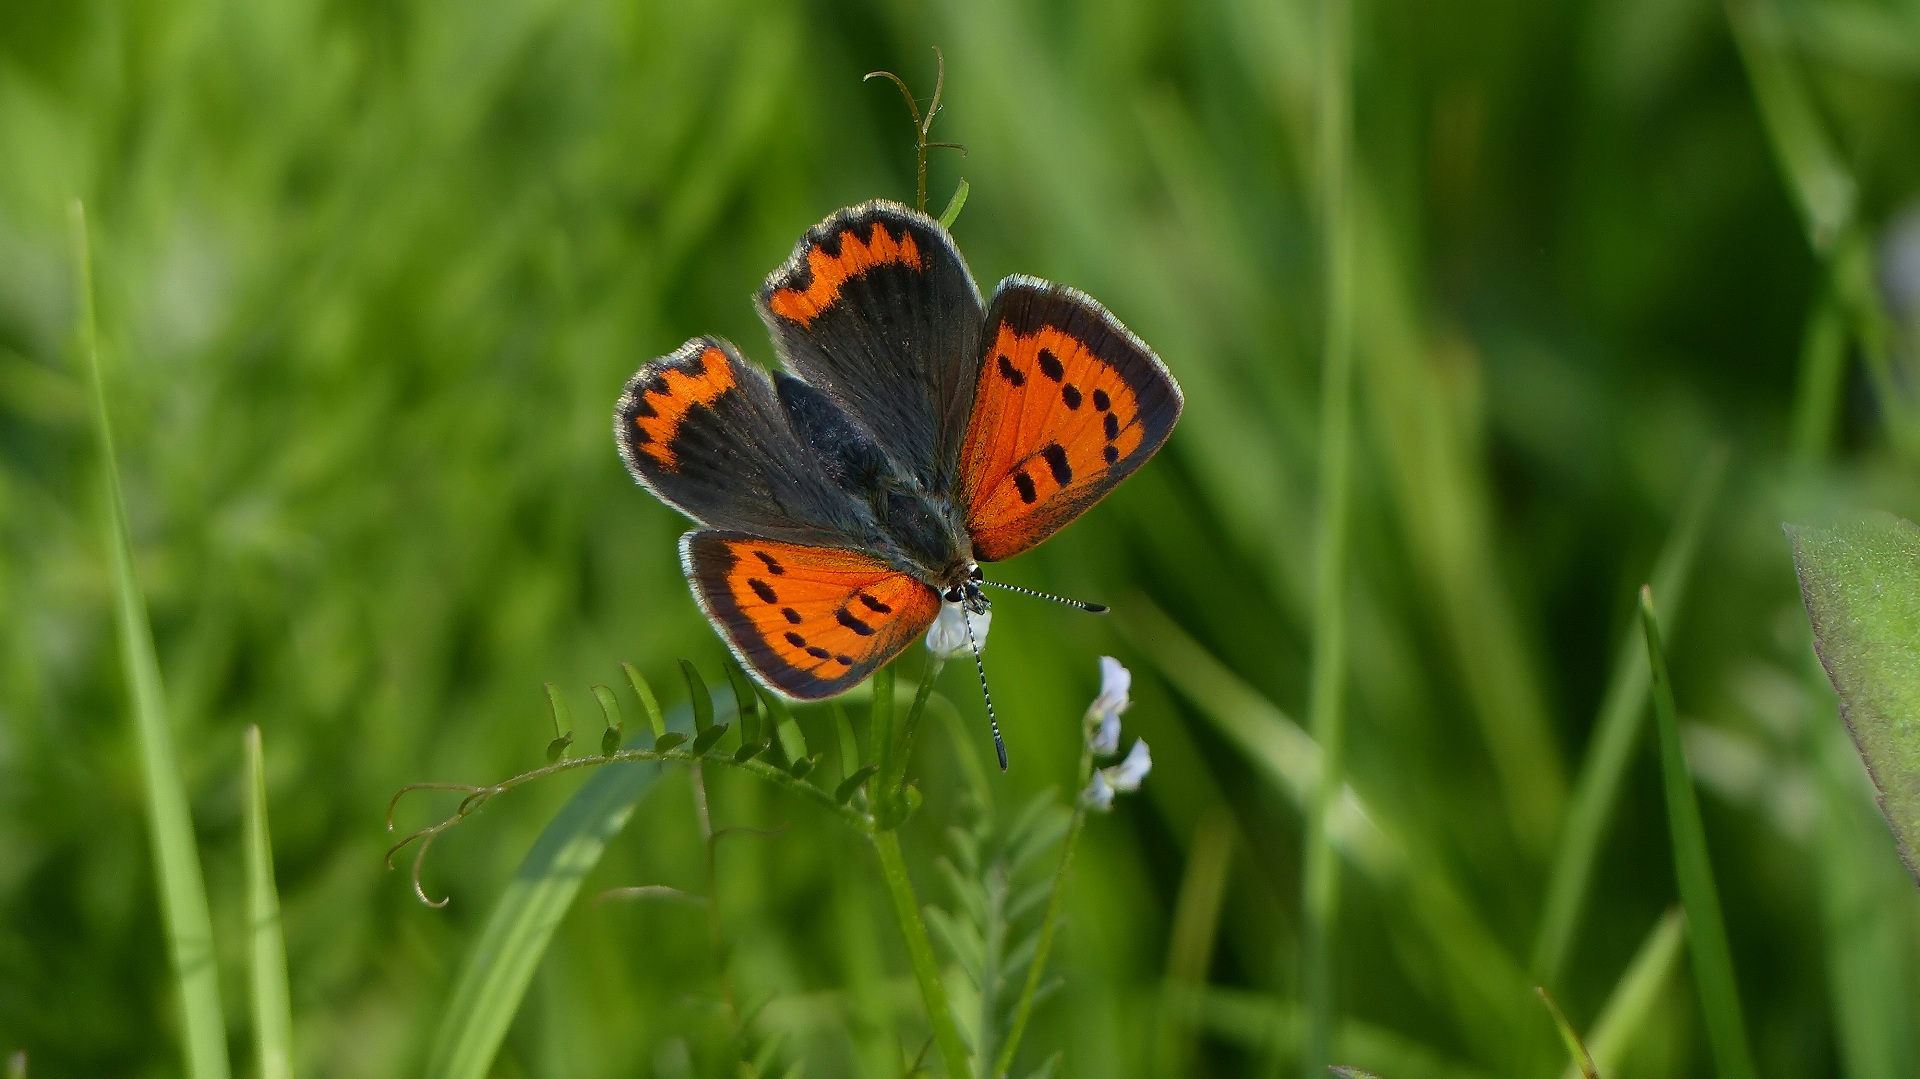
{"type": "Point", "coordinates": [999, 746]}
{"type": "Point", "coordinates": [1079, 604]}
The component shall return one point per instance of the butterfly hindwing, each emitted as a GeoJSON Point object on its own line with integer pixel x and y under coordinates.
{"type": "Point", "coordinates": [704, 430]}
{"type": "Point", "coordinates": [1068, 403]}
{"type": "Point", "coordinates": [877, 309]}
{"type": "Point", "coordinates": [810, 622]}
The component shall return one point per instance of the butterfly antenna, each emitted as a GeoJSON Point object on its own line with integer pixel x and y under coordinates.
{"type": "Point", "coordinates": [999, 745]}
{"type": "Point", "coordinates": [1080, 604]}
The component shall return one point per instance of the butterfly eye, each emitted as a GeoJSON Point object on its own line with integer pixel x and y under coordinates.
{"type": "Point", "coordinates": [954, 594]}
{"type": "Point", "coordinates": [975, 574]}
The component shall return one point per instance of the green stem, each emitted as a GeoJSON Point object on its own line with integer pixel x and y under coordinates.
{"type": "Point", "coordinates": [1712, 959]}
{"type": "Point", "coordinates": [1320, 888]}
{"type": "Point", "coordinates": [926, 971]}
{"type": "Point", "coordinates": [1055, 901]}
{"type": "Point", "coordinates": [895, 778]}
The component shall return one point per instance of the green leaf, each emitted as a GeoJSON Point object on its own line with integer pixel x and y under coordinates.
{"type": "Point", "coordinates": [500, 964]}
{"type": "Point", "coordinates": [952, 213]}
{"type": "Point", "coordinates": [272, 1014]}
{"type": "Point", "coordinates": [648, 702]}
{"type": "Point", "coordinates": [616, 724]}
{"type": "Point", "coordinates": [852, 783]}
{"type": "Point", "coordinates": [746, 703]}
{"type": "Point", "coordinates": [704, 742]}
{"type": "Point", "coordinates": [1860, 581]}
{"type": "Point", "coordinates": [562, 723]}
{"type": "Point", "coordinates": [1576, 1051]}
{"type": "Point", "coordinates": [697, 693]}
{"type": "Point", "coordinates": [668, 741]}
{"type": "Point", "coordinates": [1712, 960]}
{"type": "Point", "coordinates": [1616, 734]}
{"type": "Point", "coordinates": [1635, 995]}
{"type": "Point", "coordinates": [183, 892]}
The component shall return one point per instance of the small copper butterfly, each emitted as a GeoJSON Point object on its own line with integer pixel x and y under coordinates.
{"type": "Point", "coordinates": [913, 434]}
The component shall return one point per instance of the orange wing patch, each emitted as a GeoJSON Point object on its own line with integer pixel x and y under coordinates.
{"type": "Point", "coordinates": [1050, 421]}
{"type": "Point", "coordinates": [664, 403]}
{"type": "Point", "coordinates": [829, 272]}
{"type": "Point", "coordinates": [810, 621]}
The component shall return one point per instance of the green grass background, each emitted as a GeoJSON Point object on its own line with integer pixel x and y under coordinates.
{"type": "Point", "coordinates": [370, 276]}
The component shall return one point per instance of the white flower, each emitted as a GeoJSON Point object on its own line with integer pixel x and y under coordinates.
{"type": "Point", "coordinates": [1103, 715]}
{"type": "Point", "coordinates": [948, 634]}
{"type": "Point", "coordinates": [1126, 776]}
{"type": "Point", "coordinates": [1122, 778]}
{"type": "Point", "coordinates": [1099, 795]}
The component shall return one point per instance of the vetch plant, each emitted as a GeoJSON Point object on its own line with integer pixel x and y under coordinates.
{"type": "Point", "coordinates": [1006, 908]}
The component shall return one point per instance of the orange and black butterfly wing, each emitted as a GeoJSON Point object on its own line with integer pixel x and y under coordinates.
{"type": "Point", "coordinates": [809, 622]}
{"type": "Point", "coordinates": [705, 431]}
{"type": "Point", "coordinates": [1067, 405]}
{"type": "Point", "coordinates": [877, 309]}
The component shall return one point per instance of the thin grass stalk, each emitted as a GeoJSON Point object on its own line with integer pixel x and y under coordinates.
{"type": "Point", "coordinates": [1616, 733]}
{"type": "Point", "coordinates": [183, 892]}
{"type": "Point", "coordinates": [926, 969]}
{"type": "Point", "coordinates": [1321, 886]}
{"type": "Point", "coordinates": [1712, 959]}
{"type": "Point", "coordinates": [272, 1010]}
{"type": "Point", "coordinates": [1056, 902]}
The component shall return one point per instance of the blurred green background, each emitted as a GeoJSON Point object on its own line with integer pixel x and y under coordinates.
{"type": "Point", "coordinates": [371, 274]}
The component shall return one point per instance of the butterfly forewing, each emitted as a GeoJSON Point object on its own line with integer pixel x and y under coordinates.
{"type": "Point", "coordinates": [704, 430]}
{"type": "Point", "coordinates": [877, 308]}
{"type": "Point", "coordinates": [810, 622]}
{"type": "Point", "coordinates": [1068, 403]}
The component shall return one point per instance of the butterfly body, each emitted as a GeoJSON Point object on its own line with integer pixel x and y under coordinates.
{"type": "Point", "coordinates": [914, 433]}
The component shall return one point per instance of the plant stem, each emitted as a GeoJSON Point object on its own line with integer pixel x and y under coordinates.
{"type": "Point", "coordinates": [272, 1014]}
{"type": "Point", "coordinates": [716, 929]}
{"type": "Point", "coordinates": [1712, 960]}
{"type": "Point", "coordinates": [1055, 901]}
{"type": "Point", "coordinates": [926, 971]}
{"type": "Point", "coordinates": [1320, 899]}
{"type": "Point", "coordinates": [896, 777]}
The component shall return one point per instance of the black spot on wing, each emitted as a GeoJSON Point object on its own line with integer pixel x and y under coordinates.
{"type": "Point", "coordinates": [1011, 373]}
{"type": "Point", "coordinates": [847, 619]}
{"type": "Point", "coordinates": [818, 652]}
{"type": "Point", "coordinates": [1056, 458]}
{"type": "Point", "coordinates": [773, 567]}
{"type": "Point", "coordinates": [1070, 393]}
{"type": "Point", "coordinates": [1050, 365]}
{"type": "Point", "coordinates": [1111, 453]}
{"type": "Point", "coordinates": [1111, 426]}
{"type": "Point", "coordinates": [790, 615]}
{"type": "Point", "coordinates": [796, 640]}
{"type": "Point", "coordinates": [1101, 402]}
{"type": "Point", "coordinates": [1024, 484]}
{"type": "Point", "coordinates": [874, 605]}
{"type": "Point", "coordinates": [763, 590]}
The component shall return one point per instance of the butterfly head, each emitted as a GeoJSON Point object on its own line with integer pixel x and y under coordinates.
{"type": "Point", "coordinates": [967, 593]}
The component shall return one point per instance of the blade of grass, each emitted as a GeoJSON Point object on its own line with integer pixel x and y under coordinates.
{"type": "Point", "coordinates": [1712, 960]}
{"type": "Point", "coordinates": [183, 892]}
{"type": "Point", "coordinates": [1577, 1052]}
{"type": "Point", "coordinates": [501, 963]}
{"type": "Point", "coordinates": [1616, 732]}
{"type": "Point", "coordinates": [1320, 886]}
{"type": "Point", "coordinates": [1634, 995]}
{"type": "Point", "coordinates": [272, 1011]}
{"type": "Point", "coordinates": [1484, 986]}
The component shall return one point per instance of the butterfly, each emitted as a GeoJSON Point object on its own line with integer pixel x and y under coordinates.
{"type": "Point", "coordinates": [913, 434]}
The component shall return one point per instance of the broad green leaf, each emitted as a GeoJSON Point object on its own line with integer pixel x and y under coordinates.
{"type": "Point", "coordinates": [183, 892]}
{"type": "Point", "coordinates": [1860, 581]}
{"type": "Point", "coordinates": [272, 1012]}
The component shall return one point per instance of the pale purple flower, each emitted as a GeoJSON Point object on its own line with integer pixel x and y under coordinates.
{"type": "Point", "coordinates": [1103, 715]}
